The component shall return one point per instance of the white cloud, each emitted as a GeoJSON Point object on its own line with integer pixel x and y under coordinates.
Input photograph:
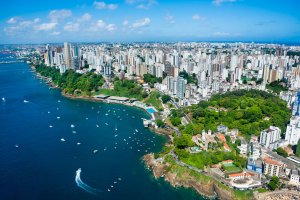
{"type": "Point", "coordinates": [141, 23]}
{"type": "Point", "coordinates": [111, 27]}
{"type": "Point", "coordinates": [12, 20]}
{"type": "Point", "coordinates": [142, 4]}
{"type": "Point", "coordinates": [19, 25]}
{"type": "Point", "coordinates": [70, 26]}
{"type": "Point", "coordinates": [100, 24]}
{"type": "Point", "coordinates": [169, 19]}
{"type": "Point", "coordinates": [102, 5]}
{"type": "Point", "coordinates": [219, 2]}
{"type": "Point", "coordinates": [45, 26]}
{"type": "Point", "coordinates": [85, 17]}
{"type": "Point", "coordinates": [125, 22]}
{"type": "Point", "coordinates": [55, 33]}
{"type": "Point", "coordinates": [197, 17]}
{"type": "Point", "coordinates": [56, 15]}
{"type": "Point", "coordinates": [221, 34]}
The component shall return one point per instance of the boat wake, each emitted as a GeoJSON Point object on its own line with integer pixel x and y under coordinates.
{"type": "Point", "coordinates": [84, 186]}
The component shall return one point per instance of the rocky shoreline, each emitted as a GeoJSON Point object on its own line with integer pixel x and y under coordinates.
{"type": "Point", "coordinates": [210, 189]}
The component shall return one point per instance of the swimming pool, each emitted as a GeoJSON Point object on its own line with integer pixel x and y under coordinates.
{"type": "Point", "coordinates": [150, 110]}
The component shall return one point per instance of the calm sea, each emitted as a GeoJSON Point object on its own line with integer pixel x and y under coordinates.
{"type": "Point", "coordinates": [45, 138]}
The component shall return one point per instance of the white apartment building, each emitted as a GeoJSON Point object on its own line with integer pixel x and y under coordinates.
{"type": "Point", "coordinates": [292, 134]}
{"type": "Point", "coordinates": [270, 137]}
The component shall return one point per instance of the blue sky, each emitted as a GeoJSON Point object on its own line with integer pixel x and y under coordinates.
{"type": "Point", "coordinates": [32, 21]}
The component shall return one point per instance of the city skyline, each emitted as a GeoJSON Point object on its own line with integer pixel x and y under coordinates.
{"type": "Point", "coordinates": [149, 20]}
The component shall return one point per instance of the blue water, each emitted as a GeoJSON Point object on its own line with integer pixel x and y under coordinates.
{"type": "Point", "coordinates": [44, 167]}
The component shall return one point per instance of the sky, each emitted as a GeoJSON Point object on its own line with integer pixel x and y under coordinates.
{"type": "Point", "coordinates": [56, 21]}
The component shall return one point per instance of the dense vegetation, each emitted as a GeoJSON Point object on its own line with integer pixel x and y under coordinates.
{"type": "Point", "coordinates": [124, 88]}
{"type": "Point", "coordinates": [151, 79]}
{"type": "Point", "coordinates": [249, 111]}
{"type": "Point", "coordinates": [190, 78]}
{"type": "Point", "coordinates": [71, 82]}
{"type": "Point", "coordinates": [277, 86]}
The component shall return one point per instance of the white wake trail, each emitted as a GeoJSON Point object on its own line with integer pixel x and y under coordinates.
{"type": "Point", "coordinates": [84, 186]}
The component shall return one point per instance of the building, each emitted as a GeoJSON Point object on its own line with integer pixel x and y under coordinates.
{"type": "Point", "coordinates": [254, 165]}
{"type": "Point", "coordinates": [294, 180]}
{"type": "Point", "coordinates": [271, 167]}
{"type": "Point", "coordinates": [67, 56]}
{"type": "Point", "coordinates": [292, 134]}
{"type": "Point", "coordinates": [270, 137]}
{"type": "Point", "coordinates": [180, 89]}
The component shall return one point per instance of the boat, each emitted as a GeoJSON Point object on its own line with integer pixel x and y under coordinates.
{"type": "Point", "coordinates": [95, 151]}
{"type": "Point", "coordinates": [3, 99]}
{"type": "Point", "coordinates": [25, 101]}
{"type": "Point", "coordinates": [116, 128]}
{"type": "Point", "coordinates": [72, 126]}
{"type": "Point", "coordinates": [136, 130]}
{"type": "Point", "coordinates": [58, 117]}
{"type": "Point", "coordinates": [50, 126]}
{"type": "Point", "coordinates": [17, 146]}
{"type": "Point", "coordinates": [78, 143]}
{"type": "Point", "coordinates": [62, 139]}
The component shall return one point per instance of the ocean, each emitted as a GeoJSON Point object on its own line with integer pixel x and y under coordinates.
{"type": "Point", "coordinates": [52, 147]}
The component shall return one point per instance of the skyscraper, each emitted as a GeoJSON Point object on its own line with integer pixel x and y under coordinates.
{"type": "Point", "coordinates": [67, 56]}
{"type": "Point", "coordinates": [180, 89]}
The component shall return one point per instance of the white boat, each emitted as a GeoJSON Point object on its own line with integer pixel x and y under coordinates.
{"type": "Point", "coordinates": [108, 190]}
{"type": "Point", "coordinates": [106, 124]}
{"type": "Point", "coordinates": [3, 99]}
{"type": "Point", "coordinates": [78, 143]}
{"type": "Point", "coordinates": [97, 125]}
{"type": "Point", "coordinates": [50, 126]}
{"type": "Point", "coordinates": [95, 151]}
{"type": "Point", "coordinates": [58, 117]}
{"type": "Point", "coordinates": [72, 126]}
{"type": "Point", "coordinates": [106, 114]}
{"type": "Point", "coordinates": [116, 135]}
{"type": "Point", "coordinates": [116, 128]}
{"type": "Point", "coordinates": [17, 146]}
{"type": "Point", "coordinates": [62, 139]}
{"type": "Point", "coordinates": [25, 101]}
{"type": "Point", "coordinates": [136, 130]}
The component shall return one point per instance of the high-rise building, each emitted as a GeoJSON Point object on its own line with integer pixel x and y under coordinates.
{"type": "Point", "coordinates": [292, 134]}
{"type": "Point", "coordinates": [67, 56]}
{"type": "Point", "coordinates": [180, 89]}
{"type": "Point", "coordinates": [270, 137]}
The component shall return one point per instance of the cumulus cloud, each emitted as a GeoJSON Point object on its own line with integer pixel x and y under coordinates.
{"type": "Point", "coordinates": [219, 2]}
{"type": "Point", "coordinates": [111, 27]}
{"type": "Point", "coordinates": [12, 20]}
{"type": "Point", "coordinates": [142, 4]}
{"type": "Point", "coordinates": [85, 17]}
{"type": "Point", "coordinates": [169, 19]}
{"type": "Point", "coordinates": [18, 25]}
{"type": "Point", "coordinates": [197, 17]}
{"type": "Point", "coordinates": [56, 15]}
{"type": "Point", "coordinates": [70, 26]}
{"type": "Point", "coordinates": [141, 23]}
{"type": "Point", "coordinates": [102, 5]}
{"type": "Point", "coordinates": [46, 26]}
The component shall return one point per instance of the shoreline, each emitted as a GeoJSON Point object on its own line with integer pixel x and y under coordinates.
{"type": "Point", "coordinates": [210, 190]}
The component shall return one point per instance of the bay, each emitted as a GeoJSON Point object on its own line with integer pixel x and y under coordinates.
{"type": "Point", "coordinates": [45, 138]}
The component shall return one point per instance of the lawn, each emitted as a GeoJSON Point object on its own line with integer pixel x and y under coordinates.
{"type": "Point", "coordinates": [231, 169]}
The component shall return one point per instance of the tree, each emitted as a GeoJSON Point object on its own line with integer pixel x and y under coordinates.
{"type": "Point", "coordinates": [282, 152]}
{"type": "Point", "coordinates": [160, 123]}
{"type": "Point", "coordinates": [165, 98]}
{"type": "Point", "coordinates": [274, 183]}
{"type": "Point", "coordinates": [183, 141]}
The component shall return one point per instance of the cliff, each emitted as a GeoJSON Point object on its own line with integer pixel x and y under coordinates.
{"type": "Point", "coordinates": [179, 176]}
